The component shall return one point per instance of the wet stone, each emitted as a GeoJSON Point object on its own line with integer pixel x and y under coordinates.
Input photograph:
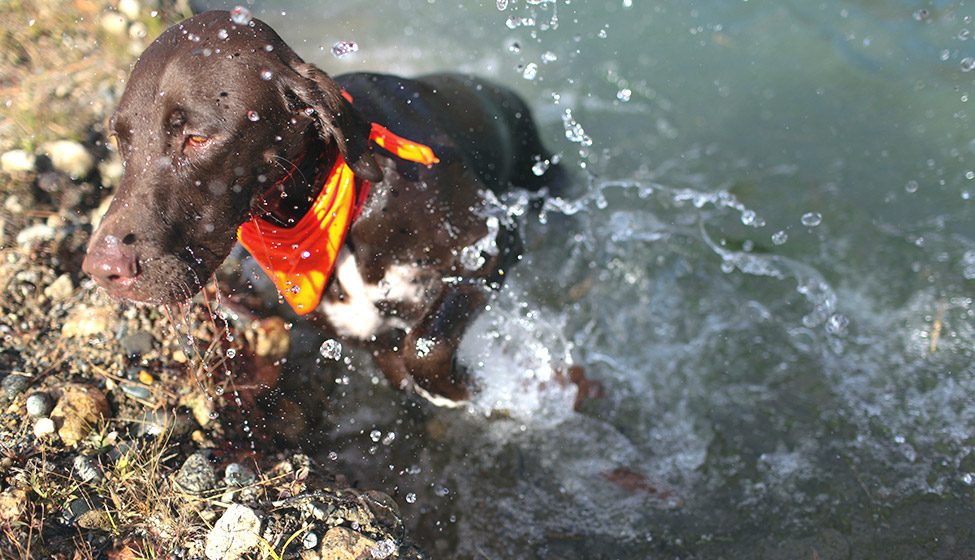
{"type": "Point", "coordinates": [237, 475]}
{"type": "Point", "coordinates": [345, 544]}
{"type": "Point", "coordinates": [137, 343]}
{"type": "Point", "coordinates": [17, 161]}
{"type": "Point", "coordinates": [14, 384]}
{"type": "Point", "coordinates": [237, 532]}
{"type": "Point", "coordinates": [86, 469]}
{"type": "Point", "coordinates": [61, 289]}
{"type": "Point", "coordinates": [74, 510]}
{"type": "Point", "coordinates": [157, 422]}
{"type": "Point", "coordinates": [196, 475]}
{"type": "Point", "coordinates": [39, 405]}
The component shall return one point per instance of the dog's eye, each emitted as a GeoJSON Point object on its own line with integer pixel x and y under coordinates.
{"type": "Point", "coordinates": [197, 141]}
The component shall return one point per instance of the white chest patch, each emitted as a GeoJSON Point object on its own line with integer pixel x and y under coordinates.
{"type": "Point", "coordinates": [357, 315]}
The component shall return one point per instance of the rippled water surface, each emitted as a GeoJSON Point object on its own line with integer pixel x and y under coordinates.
{"type": "Point", "coordinates": [768, 262]}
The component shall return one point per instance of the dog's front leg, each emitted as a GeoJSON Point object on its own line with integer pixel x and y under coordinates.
{"type": "Point", "coordinates": [427, 354]}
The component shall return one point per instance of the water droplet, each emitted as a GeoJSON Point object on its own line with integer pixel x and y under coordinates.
{"type": "Point", "coordinates": [111, 241]}
{"type": "Point", "coordinates": [241, 15]}
{"type": "Point", "coordinates": [331, 349]}
{"type": "Point", "coordinates": [266, 75]}
{"type": "Point", "coordinates": [502, 5]}
{"type": "Point", "coordinates": [530, 71]}
{"type": "Point", "coordinates": [911, 186]}
{"type": "Point", "coordinates": [305, 254]}
{"type": "Point", "coordinates": [253, 116]}
{"type": "Point", "coordinates": [967, 64]}
{"type": "Point", "coordinates": [812, 219]}
{"type": "Point", "coordinates": [515, 47]}
{"type": "Point", "coordinates": [222, 34]}
{"type": "Point", "coordinates": [624, 94]}
{"type": "Point", "coordinates": [410, 498]}
{"type": "Point", "coordinates": [748, 217]}
{"type": "Point", "coordinates": [549, 56]}
{"type": "Point", "coordinates": [780, 237]}
{"type": "Point", "coordinates": [602, 33]}
{"type": "Point", "coordinates": [964, 34]}
{"type": "Point", "coordinates": [343, 49]}
{"type": "Point", "coordinates": [231, 352]}
{"type": "Point", "coordinates": [540, 167]}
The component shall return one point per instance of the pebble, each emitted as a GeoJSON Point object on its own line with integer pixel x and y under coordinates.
{"type": "Point", "coordinates": [114, 23]}
{"type": "Point", "coordinates": [86, 469]}
{"type": "Point", "coordinates": [70, 157]}
{"type": "Point", "coordinates": [18, 161]}
{"type": "Point", "coordinates": [13, 503]}
{"type": "Point", "coordinates": [136, 391]}
{"type": "Point", "coordinates": [130, 8]}
{"type": "Point", "coordinates": [78, 410]}
{"type": "Point", "coordinates": [61, 289]}
{"type": "Point", "coordinates": [35, 235]}
{"type": "Point", "coordinates": [44, 427]}
{"type": "Point", "coordinates": [75, 509]}
{"type": "Point", "coordinates": [14, 384]}
{"type": "Point", "coordinates": [137, 343]}
{"type": "Point", "coordinates": [196, 475]}
{"type": "Point", "coordinates": [237, 532]}
{"type": "Point", "coordinates": [238, 475]}
{"type": "Point", "coordinates": [157, 422]}
{"type": "Point", "coordinates": [88, 321]}
{"type": "Point", "coordinates": [341, 543]}
{"type": "Point", "coordinates": [39, 405]}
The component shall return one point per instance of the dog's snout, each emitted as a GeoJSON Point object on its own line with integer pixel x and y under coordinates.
{"type": "Point", "coordinates": [111, 263]}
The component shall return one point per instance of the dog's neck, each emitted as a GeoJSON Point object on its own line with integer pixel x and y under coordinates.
{"type": "Point", "coordinates": [292, 196]}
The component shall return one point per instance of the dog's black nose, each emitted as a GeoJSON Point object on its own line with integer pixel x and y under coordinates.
{"type": "Point", "coordinates": [111, 264]}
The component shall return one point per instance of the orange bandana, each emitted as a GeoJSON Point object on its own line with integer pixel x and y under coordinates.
{"type": "Point", "coordinates": [300, 259]}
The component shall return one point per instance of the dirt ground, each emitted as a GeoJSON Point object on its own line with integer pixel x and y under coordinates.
{"type": "Point", "coordinates": [131, 431]}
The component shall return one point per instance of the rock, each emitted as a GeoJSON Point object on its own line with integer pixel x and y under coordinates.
{"type": "Point", "coordinates": [74, 510]}
{"type": "Point", "coordinates": [137, 343]}
{"type": "Point", "coordinates": [88, 321]}
{"type": "Point", "coordinates": [271, 339]}
{"type": "Point", "coordinates": [44, 427]}
{"type": "Point", "coordinates": [340, 543]}
{"type": "Point", "coordinates": [14, 384]}
{"type": "Point", "coordinates": [130, 8]}
{"type": "Point", "coordinates": [33, 236]}
{"type": "Point", "coordinates": [18, 161]}
{"type": "Point", "coordinates": [13, 503]}
{"type": "Point", "coordinates": [237, 532]}
{"type": "Point", "coordinates": [38, 405]}
{"type": "Point", "coordinates": [114, 23]}
{"type": "Point", "coordinates": [70, 157]}
{"type": "Point", "coordinates": [196, 476]}
{"type": "Point", "coordinates": [157, 422]}
{"type": "Point", "coordinates": [78, 410]}
{"type": "Point", "coordinates": [237, 475]}
{"type": "Point", "coordinates": [61, 289]}
{"type": "Point", "coordinates": [86, 469]}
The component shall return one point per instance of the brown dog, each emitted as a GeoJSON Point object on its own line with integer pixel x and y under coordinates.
{"type": "Point", "coordinates": [367, 198]}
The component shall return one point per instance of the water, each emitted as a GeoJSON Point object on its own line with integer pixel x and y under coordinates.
{"type": "Point", "coordinates": [767, 263]}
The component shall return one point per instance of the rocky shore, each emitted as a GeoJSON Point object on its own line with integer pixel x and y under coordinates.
{"type": "Point", "coordinates": [127, 431]}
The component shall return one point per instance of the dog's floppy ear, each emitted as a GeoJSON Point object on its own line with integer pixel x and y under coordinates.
{"type": "Point", "coordinates": [337, 117]}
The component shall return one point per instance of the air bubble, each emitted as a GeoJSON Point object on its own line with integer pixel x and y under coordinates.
{"type": "Point", "coordinates": [812, 219]}
{"type": "Point", "coordinates": [624, 94]}
{"type": "Point", "coordinates": [530, 71]}
{"type": "Point", "coordinates": [967, 64]}
{"type": "Point", "coordinates": [549, 56]}
{"type": "Point", "coordinates": [921, 14]}
{"type": "Point", "coordinates": [502, 5]}
{"type": "Point", "coordinates": [231, 352]}
{"type": "Point", "coordinates": [343, 49]}
{"type": "Point", "coordinates": [253, 116]}
{"type": "Point", "coordinates": [111, 241]}
{"type": "Point", "coordinates": [515, 47]}
{"type": "Point", "coordinates": [331, 349]}
{"type": "Point", "coordinates": [241, 15]}
{"type": "Point", "coordinates": [780, 237]}
{"type": "Point", "coordinates": [911, 186]}
{"type": "Point", "coordinates": [266, 75]}
{"type": "Point", "coordinates": [540, 167]}
{"type": "Point", "coordinates": [222, 34]}
{"type": "Point", "coordinates": [410, 498]}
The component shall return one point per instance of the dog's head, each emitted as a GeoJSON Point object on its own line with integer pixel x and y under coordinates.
{"type": "Point", "coordinates": [214, 115]}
